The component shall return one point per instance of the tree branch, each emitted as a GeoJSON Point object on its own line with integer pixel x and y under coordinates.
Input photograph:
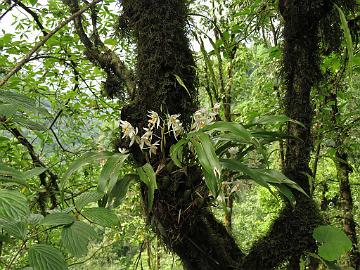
{"type": "Point", "coordinates": [38, 45]}
{"type": "Point", "coordinates": [99, 54]}
{"type": "Point", "coordinates": [32, 14]}
{"type": "Point", "coordinates": [7, 11]}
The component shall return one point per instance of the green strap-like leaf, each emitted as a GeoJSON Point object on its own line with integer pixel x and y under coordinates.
{"type": "Point", "coordinates": [208, 160]}
{"type": "Point", "coordinates": [176, 151]}
{"type": "Point", "coordinates": [45, 257]}
{"type": "Point", "coordinates": [112, 167]}
{"type": "Point", "coordinates": [118, 192]}
{"type": "Point", "coordinates": [347, 34]}
{"type": "Point", "coordinates": [238, 166]}
{"type": "Point", "coordinates": [85, 159]}
{"type": "Point", "coordinates": [232, 127]}
{"type": "Point", "coordinates": [147, 175]}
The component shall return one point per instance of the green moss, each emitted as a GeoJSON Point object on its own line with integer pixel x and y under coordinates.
{"type": "Point", "coordinates": [163, 52]}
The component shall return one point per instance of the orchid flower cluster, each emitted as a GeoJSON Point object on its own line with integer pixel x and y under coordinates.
{"type": "Point", "coordinates": [172, 124]}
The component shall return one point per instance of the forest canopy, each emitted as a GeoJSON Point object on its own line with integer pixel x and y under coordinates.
{"type": "Point", "coordinates": [177, 134]}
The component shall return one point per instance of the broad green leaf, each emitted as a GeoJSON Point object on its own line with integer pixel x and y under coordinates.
{"type": "Point", "coordinates": [27, 123]}
{"type": "Point", "coordinates": [112, 167]}
{"type": "Point", "coordinates": [101, 216]}
{"type": "Point", "coordinates": [21, 102]}
{"type": "Point", "coordinates": [13, 205]}
{"type": "Point", "coordinates": [86, 198]}
{"type": "Point", "coordinates": [110, 41]}
{"type": "Point", "coordinates": [45, 257]}
{"type": "Point", "coordinates": [7, 110]}
{"type": "Point", "coordinates": [120, 189]}
{"type": "Point", "coordinates": [9, 171]}
{"type": "Point", "coordinates": [334, 242]}
{"type": "Point", "coordinates": [232, 127]}
{"type": "Point", "coordinates": [56, 219]}
{"type": "Point", "coordinates": [4, 139]}
{"type": "Point", "coordinates": [271, 119]}
{"type": "Point", "coordinates": [34, 219]}
{"type": "Point", "coordinates": [15, 228]}
{"type": "Point", "coordinates": [11, 179]}
{"type": "Point", "coordinates": [85, 159]}
{"type": "Point", "coordinates": [34, 172]}
{"type": "Point", "coordinates": [147, 175]}
{"type": "Point", "coordinates": [238, 166]}
{"type": "Point", "coordinates": [76, 238]}
{"type": "Point", "coordinates": [176, 151]}
{"type": "Point", "coordinates": [9, 174]}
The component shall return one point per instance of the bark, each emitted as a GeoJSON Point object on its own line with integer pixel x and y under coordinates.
{"type": "Point", "coordinates": [229, 212]}
{"type": "Point", "coordinates": [180, 215]}
{"type": "Point", "coordinates": [302, 72]}
{"type": "Point", "coordinates": [343, 174]}
{"type": "Point", "coordinates": [349, 226]}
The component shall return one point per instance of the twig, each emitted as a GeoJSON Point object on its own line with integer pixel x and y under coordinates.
{"type": "Point", "coordinates": [16, 254]}
{"type": "Point", "coordinates": [58, 142]}
{"type": "Point", "coordinates": [8, 10]}
{"type": "Point", "coordinates": [34, 15]}
{"type": "Point", "coordinates": [92, 255]}
{"type": "Point", "coordinates": [43, 41]}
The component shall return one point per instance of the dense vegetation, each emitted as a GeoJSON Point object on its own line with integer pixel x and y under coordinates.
{"type": "Point", "coordinates": [174, 134]}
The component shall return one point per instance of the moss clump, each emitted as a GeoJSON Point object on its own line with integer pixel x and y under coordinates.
{"type": "Point", "coordinates": [163, 52]}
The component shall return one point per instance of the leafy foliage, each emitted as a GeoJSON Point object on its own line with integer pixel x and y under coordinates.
{"type": "Point", "coordinates": [334, 242]}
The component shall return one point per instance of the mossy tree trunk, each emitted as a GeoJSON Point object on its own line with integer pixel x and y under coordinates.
{"type": "Point", "coordinates": [343, 176]}
{"type": "Point", "coordinates": [180, 214]}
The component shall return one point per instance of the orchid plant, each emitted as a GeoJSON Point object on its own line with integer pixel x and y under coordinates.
{"type": "Point", "coordinates": [150, 142]}
{"type": "Point", "coordinates": [216, 145]}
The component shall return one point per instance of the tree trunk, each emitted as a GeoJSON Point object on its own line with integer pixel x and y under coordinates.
{"type": "Point", "coordinates": [180, 214]}
{"type": "Point", "coordinates": [343, 172]}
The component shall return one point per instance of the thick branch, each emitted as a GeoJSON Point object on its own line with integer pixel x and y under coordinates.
{"type": "Point", "coordinates": [99, 54]}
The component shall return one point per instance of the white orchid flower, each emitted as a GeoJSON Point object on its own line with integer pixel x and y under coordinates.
{"type": "Point", "coordinates": [216, 108]}
{"type": "Point", "coordinates": [172, 120]}
{"type": "Point", "coordinates": [153, 148]}
{"type": "Point", "coordinates": [146, 138]}
{"type": "Point", "coordinates": [154, 119]}
{"type": "Point", "coordinates": [128, 131]}
{"type": "Point", "coordinates": [123, 150]}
